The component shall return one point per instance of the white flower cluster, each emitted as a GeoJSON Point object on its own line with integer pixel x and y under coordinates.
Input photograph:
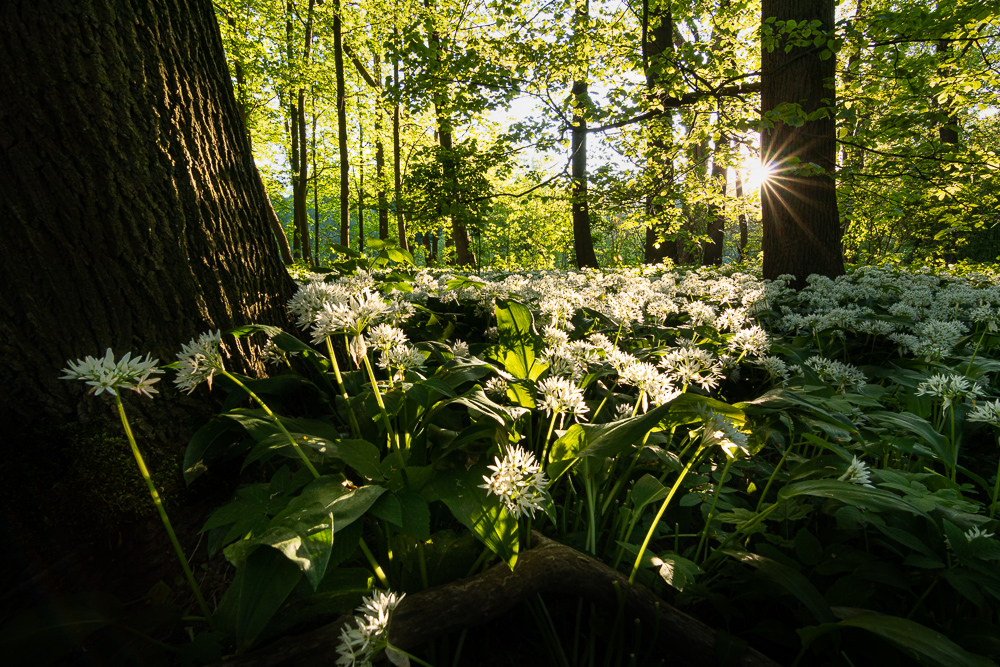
{"type": "Point", "coordinates": [360, 642]}
{"type": "Point", "coordinates": [857, 473]}
{"type": "Point", "coordinates": [198, 361]}
{"type": "Point", "coordinates": [987, 411]}
{"type": "Point", "coordinates": [837, 373]}
{"type": "Point", "coordinates": [518, 480]}
{"type": "Point", "coordinates": [560, 396]}
{"type": "Point", "coordinates": [949, 388]}
{"type": "Point", "coordinates": [691, 365]}
{"type": "Point", "coordinates": [720, 430]}
{"type": "Point", "coordinates": [106, 374]}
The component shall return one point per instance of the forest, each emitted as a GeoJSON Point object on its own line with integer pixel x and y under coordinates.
{"type": "Point", "coordinates": [488, 332]}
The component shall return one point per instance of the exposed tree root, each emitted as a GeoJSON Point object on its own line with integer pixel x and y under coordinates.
{"type": "Point", "coordinates": [547, 567]}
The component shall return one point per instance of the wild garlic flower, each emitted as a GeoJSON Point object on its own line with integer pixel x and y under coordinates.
{"type": "Point", "coordinates": [949, 388]}
{"type": "Point", "coordinates": [753, 341]}
{"type": "Point", "coordinates": [777, 370]}
{"type": "Point", "coordinates": [732, 319]}
{"type": "Point", "coordinates": [975, 533]}
{"type": "Point", "coordinates": [857, 473]}
{"type": "Point", "coordinates": [353, 315]}
{"type": "Point", "coordinates": [692, 365]}
{"type": "Point", "coordinates": [987, 411]}
{"type": "Point", "coordinates": [370, 633]}
{"type": "Point", "coordinates": [496, 387]}
{"type": "Point", "coordinates": [971, 534]}
{"type": "Point", "coordinates": [460, 349]}
{"type": "Point", "coordinates": [518, 480]}
{"type": "Point", "coordinates": [701, 313]}
{"type": "Point", "coordinates": [837, 373]}
{"type": "Point", "coordinates": [310, 299]}
{"type": "Point", "coordinates": [720, 430]}
{"type": "Point", "coordinates": [106, 374]}
{"type": "Point", "coordinates": [400, 359]}
{"type": "Point", "coordinates": [385, 337]}
{"type": "Point", "coordinates": [623, 411]}
{"type": "Point", "coordinates": [933, 340]}
{"type": "Point", "coordinates": [198, 361]}
{"type": "Point", "coordinates": [560, 396]}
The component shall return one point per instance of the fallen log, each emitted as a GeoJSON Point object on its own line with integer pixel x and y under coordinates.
{"type": "Point", "coordinates": [547, 567]}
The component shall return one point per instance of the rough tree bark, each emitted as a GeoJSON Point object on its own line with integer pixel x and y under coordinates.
{"type": "Point", "coordinates": [134, 217]}
{"type": "Point", "coordinates": [799, 213]}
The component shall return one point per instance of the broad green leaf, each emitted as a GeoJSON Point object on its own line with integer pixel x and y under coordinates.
{"type": "Point", "coordinates": [207, 441]}
{"type": "Point", "coordinates": [918, 427]}
{"type": "Point", "coordinates": [479, 511]}
{"type": "Point", "coordinates": [646, 490]}
{"type": "Point", "coordinates": [850, 494]}
{"type": "Point", "coordinates": [416, 515]}
{"type": "Point", "coordinates": [308, 546]}
{"type": "Point", "coordinates": [610, 439]}
{"type": "Point", "coordinates": [517, 339]}
{"type": "Point", "coordinates": [791, 580]}
{"type": "Point", "coordinates": [363, 456]}
{"type": "Point", "coordinates": [914, 638]}
{"type": "Point", "coordinates": [258, 590]}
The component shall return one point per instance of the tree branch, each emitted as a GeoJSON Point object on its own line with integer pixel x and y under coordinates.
{"type": "Point", "coordinates": [683, 100]}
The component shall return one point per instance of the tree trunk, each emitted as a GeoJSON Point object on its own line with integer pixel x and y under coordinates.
{"type": "Point", "coordinates": [397, 163]}
{"type": "Point", "coordinates": [383, 204]}
{"type": "Point", "coordinates": [799, 208]}
{"type": "Point", "coordinates": [716, 219]}
{"type": "Point", "coordinates": [583, 241]}
{"type": "Point", "coordinates": [948, 130]}
{"type": "Point", "coordinates": [361, 185]}
{"type": "Point", "coordinates": [741, 251]}
{"type": "Point", "coordinates": [657, 49]}
{"type": "Point", "coordinates": [126, 172]}
{"type": "Point", "coordinates": [345, 165]}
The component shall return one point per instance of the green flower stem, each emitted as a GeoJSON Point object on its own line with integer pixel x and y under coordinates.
{"type": "Point", "coordinates": [343, 390]}
{"type": "Point", "coordinates": [277, 422]}
{"type": "Point", "coordinates": [162, 511]}
{"type": "Point", "coordinates": [659, 515]}
{"type": "Point", "coordinates": [976, 350]}
{"type": "Point", "coordinates": [544, 449]}
{"type": "Point", "coordinates": [711, 510]}
{"type": "Point", "coordinates": [379, 572]}
{"type": "Point", "coordinates": [770, 479]}
{"type": "Point", "coordinates": [381, 405]}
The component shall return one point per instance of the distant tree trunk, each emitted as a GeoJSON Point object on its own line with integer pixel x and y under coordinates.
{"type": "Point", "coordinates": [361, 185]}
{"type": "Point", "coordinates": [315, 184]}
{"type": "Point", "coordinates": [714, 250]}
{"type": "Point", "coordinates": [134, 186]}
{"type": "Point", "coordinates": [345, 165]}
{"type": "Point", "coordinates": [741, 251]}
{"type": "Point", "coordinates": [799, 211]}
{"type": "Point", "coordinates": [657, 48]}
{"type": "Point", "coordinates": [948, 130]}
{"type": "Point", "coordinates": [583, 242]}
{"type": "Point", "coordinates": [449, 163]}
{"type": "Point", "coordinates": [397, 162]}
{"type": "Point", "coordinates": [383, 204]}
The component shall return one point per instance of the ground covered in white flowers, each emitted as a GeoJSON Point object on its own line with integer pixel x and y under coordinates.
{"type": "Point", "coordinates": [813, 472]}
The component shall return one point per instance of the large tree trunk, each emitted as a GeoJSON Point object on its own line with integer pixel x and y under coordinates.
{"type": "Point", "coordinates": [799, 209]}
{"type": "Point", "coordinates": [126, 175]}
